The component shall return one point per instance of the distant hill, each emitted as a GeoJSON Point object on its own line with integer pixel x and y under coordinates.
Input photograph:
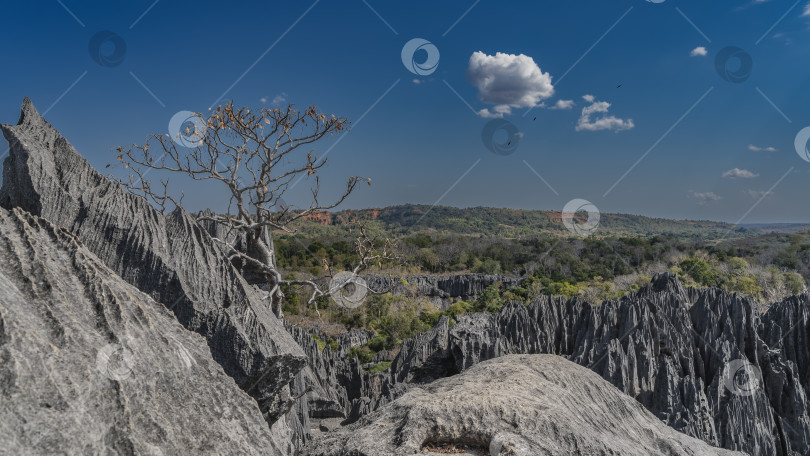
{"type": "Point", "coordinates": [509, 223]}
{"type": "Point", "coordinates": [777, 227]}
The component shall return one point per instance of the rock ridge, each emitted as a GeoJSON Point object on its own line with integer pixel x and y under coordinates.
{"type": "Point", "coordinates": [171, 258]}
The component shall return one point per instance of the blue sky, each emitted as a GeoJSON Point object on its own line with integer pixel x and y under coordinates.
{"type": "Point", "coordinates": [419, 137]}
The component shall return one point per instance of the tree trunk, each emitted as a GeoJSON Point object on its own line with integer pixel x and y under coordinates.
{"type": "Point", "coordinates": [261, 248]}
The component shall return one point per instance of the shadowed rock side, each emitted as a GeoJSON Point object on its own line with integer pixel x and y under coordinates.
{"type": "Point", "coordinates": [528, 405]}
{"type": "Point", "coordinates": [168, 257]}
{"type": "Point", "coordinates": [91, 365]}
{"type": "Point", "coordinates": [666, 346]}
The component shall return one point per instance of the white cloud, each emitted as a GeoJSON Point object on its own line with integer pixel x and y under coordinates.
{"type": "Point", "coordinates": [737, 173]}
{"type": "Point", "coordinates": [754, 148]}
{"type": "Point", "coordinates": [563, 104]}
{"type": "Point", "coordinates": [263, 100]}
{"type": "Point", "coordinates": [508, 81]}
{"type": "Point", "coordinates": [594, 117]}
{"type": "Point", "coordinates": [758, 193]}
{"type": "Point", "coordinates": [705, 198]}
{"type": "Point", "coordinates": [279, 99]}
{"type": "Point", "coordinates": [699, 51]}
{"type": "Point", "coordinates": [496, 113]}
{"type": "Point", "coordinates": [806, 12]}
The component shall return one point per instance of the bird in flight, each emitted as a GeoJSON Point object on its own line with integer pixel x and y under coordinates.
{"type": "Point", "coordinates": [619, 86]}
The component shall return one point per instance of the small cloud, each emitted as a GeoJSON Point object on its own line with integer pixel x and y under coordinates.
{"type": "Point", "coordinates": [416, 81]}
{"type": "Point", "coordinates": [496, 113]}
{"type": "Point", "coordinates": [787, 40]}
{"type": "Point", "coordinates": [279, 99]}
{"type": "Point", "coordinates": [754, 148]}
{"type": "Point", "coordinates": [563, 104]}
{"type": "Point", "coordinates": [758, 193]}
{"type": "Point", "coordinates": [705, 198]}
{"type": "Point", "coordinates": [806, 12]}
{"type": "Point", "coordinates": [594, 117]}
{"type": "Point", "coordinates": [508, 81]}
{"type": "Point", "coordinates": [263, 100]}
{"type": "Point", "coordinates": [699, 51]}
{"type": "Point", "coordinates": [737, 173]}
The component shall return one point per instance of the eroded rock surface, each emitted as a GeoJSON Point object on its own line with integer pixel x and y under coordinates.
{"type": "Point", "coordinates": [515, 405]}
{"type": "Point", "coordinates": [676, 351]}
{"type": "Point", "coordinates": [91, 365]}
{"type": "Point", "coordinates": [171, 258]}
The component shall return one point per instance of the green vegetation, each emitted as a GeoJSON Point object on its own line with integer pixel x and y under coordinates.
{"type": "Point", "coordinates": [404, 220]}
{"type": "Point", "coordinates": [765, 267]}
{"type": "Point", "coordinates": [379, 367]}
{"type": "Point", "coordinates": [333, 344]}
{"type": "Point", "coordinates": [321, 343]}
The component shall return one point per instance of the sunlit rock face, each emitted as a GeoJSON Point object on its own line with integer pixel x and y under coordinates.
{"type": "Point", "coordinates": [91, 365]}
{"type": "Point", "coordinates": [170, 258]}
{"type": "Point", "coordinates": [514, 405]}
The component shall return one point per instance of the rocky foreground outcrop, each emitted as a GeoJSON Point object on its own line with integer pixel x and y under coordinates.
{"type": "Point", "coordinates": [521, 405]}
{"type": "Point", "coordinates": [704, 362]}
{"type": "Point", "coordinates": [171, 258]}
{"type": "Point", "coordinates": [91, 365]}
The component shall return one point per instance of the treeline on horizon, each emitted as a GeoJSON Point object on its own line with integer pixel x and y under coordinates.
{"type": "Point", "coordinates": [509, 223]}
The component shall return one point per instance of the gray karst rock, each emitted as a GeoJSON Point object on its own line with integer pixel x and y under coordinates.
{"type": "Point", "coordinates": [355, 338]}
{"type": "Point", "coordinates": [91, 365]}
{"type": "Point", "coordinates": [527, 405]}
{"type": "Point", "coordinates": [439, 289]}
{"type": "Point", "coordinates": [426, 357]}
{"type": "Point", "coordinates": [171, 258]}
{"type": "Point", "coordinates": [703, 362]}
{"type": "Point", "coordinates": [669, 347]}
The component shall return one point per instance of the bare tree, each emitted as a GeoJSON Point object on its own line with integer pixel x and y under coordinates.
{"type": "Point", "coordinates": [256, 156]}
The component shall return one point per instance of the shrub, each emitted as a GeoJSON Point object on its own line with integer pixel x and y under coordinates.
{"type": "Point", "coordinates": [700, 271]}
{"type": "Point", "coordinates": [379, 367]}
{"type": "Point", "coordinates": [362, 353]}
{"type": "Point", "coordinates": [321, 343]}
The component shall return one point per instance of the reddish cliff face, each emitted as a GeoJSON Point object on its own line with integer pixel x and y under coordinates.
{"type": "Point", "coordinates": [320, 217]}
